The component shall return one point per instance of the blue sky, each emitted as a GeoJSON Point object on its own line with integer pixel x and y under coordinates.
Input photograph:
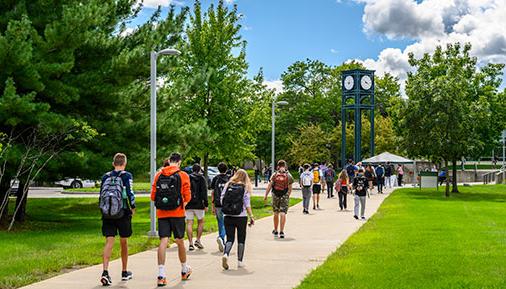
{"type": "Point", "coordinates": [380, 33]}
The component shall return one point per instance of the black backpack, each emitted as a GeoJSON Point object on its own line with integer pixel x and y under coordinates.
{"type": "Point", "coordinates": [219, 185]}
{"type": "Point", "coordinates": [194, 188]}
{"type": "Point", "coordinates": [168, 192]}
{"type": "Point", "coordinates": [233, 200]}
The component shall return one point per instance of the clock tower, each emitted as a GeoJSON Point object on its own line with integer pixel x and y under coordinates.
{"type": "Point", "coordinates": [357, 95]}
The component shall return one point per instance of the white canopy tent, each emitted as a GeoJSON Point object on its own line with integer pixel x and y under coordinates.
{"type": "Point", "coordinates": [387, 157]}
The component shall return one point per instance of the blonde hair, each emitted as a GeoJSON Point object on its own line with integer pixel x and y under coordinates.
{"type": "Point", "coordinates": [119, 159]}
{"type": "Point", "coordinates": [343, 176]}
{"type": "Point", "coordinates": [241, 177]}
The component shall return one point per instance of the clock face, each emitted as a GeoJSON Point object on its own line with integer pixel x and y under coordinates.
{"type": "Point", "coordinates": [366, 82]}
{"type": "Point", "coordinates": [349, 82]}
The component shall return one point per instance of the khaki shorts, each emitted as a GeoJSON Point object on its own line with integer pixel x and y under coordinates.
{"type": "Point", "coordinates": [191, 214]}
{"type": "Point", "coordinates": [280, 204]}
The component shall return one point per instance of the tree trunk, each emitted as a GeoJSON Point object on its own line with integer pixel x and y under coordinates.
{"type": "Point", "coordinates": [447, 189]}
{"type": "Point", "coordinates": [4, 195]}
{"type": "Point", "coordinates": [455, 189]}
{"type": "Point", "coordinates": [21, 202]}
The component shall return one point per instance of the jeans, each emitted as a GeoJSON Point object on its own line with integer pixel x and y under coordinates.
{"type": "Point", "coordinates": [221, 224]}
{"type": "Point", "coordinates": [399, 180]}
{"type": "Point", "coordinates": [388, 181]}
{"type": "Point", "coordinates": [330, 189]}
{"type": "Point", "coordinates": [360, 202]}
{"type": "Point", "coordinates": [380, 184]}
{"type": "Point", "coordinates": [306, 197]}
{"type": "Point", "coordinates": [342, 194]}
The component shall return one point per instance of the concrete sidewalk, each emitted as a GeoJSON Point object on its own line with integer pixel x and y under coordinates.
{"type": "Point", "coordinates": [270, 263]}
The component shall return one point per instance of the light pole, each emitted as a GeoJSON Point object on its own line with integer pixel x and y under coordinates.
{"type": "Point", "coordinates": [154, 56]}
{"type": "Point", "coordinates": [273, 154]}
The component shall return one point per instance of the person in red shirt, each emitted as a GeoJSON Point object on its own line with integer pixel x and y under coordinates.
{"type": "Point", "coordinates": [170, 201]}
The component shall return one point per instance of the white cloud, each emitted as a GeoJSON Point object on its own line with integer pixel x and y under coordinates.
{"type": "Point", "coordinates": [163, 3]}
{"type": "Point", "coordinates": [334, 51]}
{"type": "Point", "coordinates": [276, 85]}
{"type": "Point", "coordinates": [432, 23]}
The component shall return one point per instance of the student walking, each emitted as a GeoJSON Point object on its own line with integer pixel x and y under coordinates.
{"type": "Point", "coordinates": [317, 187]}
{"type": "Point", "coordinates": [306, 181]}
{"type": "Point", "coordinates": [360, 185]}
{"type": "Point", "coordinates": [236, 202]}
{"type": "Point", "coordinates": [370, 175]}
{"type": "Point", "coordinates": [330, 175]}
{"type": "Point", "coordinates": [171, 193]}
{"type": "Point", "coordinates": [400, 174]}
{"type": "Point", "coordinates": [350, 170]}
{"type": "Point", "coordinates": [218, 184]}
{"type": "Point", "coordinates": [197, 207]}
{"type": "Point", "coordinates": [388, 175]}
{"type": "Point", "coordinates": [342, 188]}
{"type": "Point", "coordinates": [380, 178]}
{"type": "Point", "coordinates": [117, 204]}
{"type": "Point", "coordinates": [281, 187]}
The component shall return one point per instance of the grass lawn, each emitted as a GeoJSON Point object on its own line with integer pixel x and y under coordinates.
{"type": "Point", "coordinates": [420, 239]}
{"type": "Point", "coordinates": [138, 187]}
{"type": "Point", "coordinates": [65, 233]}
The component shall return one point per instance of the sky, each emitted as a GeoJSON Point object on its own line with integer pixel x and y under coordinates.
{"type": "Point", "coordinates": [378, 33]}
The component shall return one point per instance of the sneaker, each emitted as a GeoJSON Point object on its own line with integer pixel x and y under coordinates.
{"type": "Point", "coordinates": [162, 281]}
{"type": "Point", "coordinates": [126, 275]}
{"type": "Point", "coordinates": [186, 275]}
{"type": "Point", "coordinates": [318, 207]}
{"type": "Point", "coordinates": [275, 233]}
{"type": "Point", "coordinates": [220, 244]}
{"type": "Point", "coordinates": [224, 262]}
{"type": "Point", "coordinates": [191, 248]}
{"type": "Point", "coordinates": [105, 279]}
{"type": "Point", "coordinates": [363, 218]}
{"type": "Point", "coordinates": [314, 207]}
{"type": "Point", "coordinates": [356, 217]}
{"type": "Point", "coordinates": [240, 264]}
{"type": "Point", "coordinates": [199, 245]}
{"type": "Point", "coordinates": [281, 235]}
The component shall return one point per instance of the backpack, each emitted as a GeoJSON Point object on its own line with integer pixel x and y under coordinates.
{"type": "Point", "coordinates": [316, 176]}
{"type": "Point", "coordinates": [233, 200]}
{"type": "Point", "coordinates": [360, 184]}
{"type": "Point", "coordinates": [329, 176]}
{"type": "Point", "coordinates": [280, 184]}
{"type": "Point", "coordinates": [111, 197]}
{"type": "Point", "coordinates": [219, 185]}
{"type": "Point", "coordinates": [306, 179]}
{"type": "Point", "coordinates": [350, 170]}
{"type": "Point", "coordinates": [194, 188]}
{"type": "Point", "coordinates": [168, 192]}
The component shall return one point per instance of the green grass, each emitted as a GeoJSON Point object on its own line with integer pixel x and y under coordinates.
{"type": "Point", "coordinates": [138, 187]}
{"type": "Point", "coordinates": [420, 239]}
{"type": "Point", "coordinates": [66, 233]}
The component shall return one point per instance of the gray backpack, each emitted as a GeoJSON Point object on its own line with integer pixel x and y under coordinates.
{"type": "Point", "coordinates": [111, 197]}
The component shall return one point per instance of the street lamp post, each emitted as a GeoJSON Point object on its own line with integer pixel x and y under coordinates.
{"type": "Point", "coordinates": [154, 56]}
{"type": "Point", "coordinates": [273, 137]}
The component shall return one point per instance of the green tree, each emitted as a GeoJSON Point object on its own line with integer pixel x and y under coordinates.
{"type": "Point", "coordinates": [451, 105]}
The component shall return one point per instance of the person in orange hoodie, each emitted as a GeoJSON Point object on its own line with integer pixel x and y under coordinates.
{"type": "Point", "coordinates": [171, 192]}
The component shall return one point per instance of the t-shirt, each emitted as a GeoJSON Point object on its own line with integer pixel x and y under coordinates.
{"type": "Point", "coordinates": [365, 185]}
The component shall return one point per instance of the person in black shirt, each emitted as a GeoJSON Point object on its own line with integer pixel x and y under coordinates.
{"type": "Point", "coordinates": [360, 186]}
{"type": "Point", "coordinates": [217, 185]}
{"type": "Point", "coordinates": [197, 206]}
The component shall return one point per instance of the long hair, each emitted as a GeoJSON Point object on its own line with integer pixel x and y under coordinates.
{"type": "Point", "coordinates": [241, 177]}
{"type": "Point", "coordinates": [343, 175]}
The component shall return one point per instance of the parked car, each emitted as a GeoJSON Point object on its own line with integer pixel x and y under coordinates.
{"type": "Point", "coordinates": [76, 183]}
{"type": "Point", "coordinates": [211, 173]}
{"type": "Point", "coordinates": [14, 187]}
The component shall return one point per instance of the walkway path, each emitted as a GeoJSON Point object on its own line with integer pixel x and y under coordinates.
{"type": "Point", "coordinates": [270, 263]}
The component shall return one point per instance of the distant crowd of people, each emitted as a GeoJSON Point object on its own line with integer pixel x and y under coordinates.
{"type": "Point", "coordinates": [180, 198]}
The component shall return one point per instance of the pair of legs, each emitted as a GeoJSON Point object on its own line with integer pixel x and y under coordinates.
{"type": "Point", "coordinates": [109, 244]}
{"type": "Point", "coordinates": [342, 198]}
{"type": "Point", "coordinates": [174, 226]}
{"type": "Point", "coordinates": [280, 208]}
{"type": "Point", "coordinates": [190, 216]}
{"type": "Point", "coordinates": [330, 189]}
{"type": "Point", "coordinates": [380, 184]}
{"type": "Point", "coordinates": [221, 224]}
{"type": "Point", "coordinates": [316, 196]}
{"type": "Point", "coordinates": [371, 185]}
{"type": "Point", "coordinates": [360, 202]}
{"type": "Point", "coordinates": [399, 180]}
{"type": "Point", "coordinates": [388, 181]}
{"type": "Point", "coordinates": [181, 250]}
{"type": "Point", "coordinates": [233, 225]}
{"type": "Point", "coordinates": [306, 198]}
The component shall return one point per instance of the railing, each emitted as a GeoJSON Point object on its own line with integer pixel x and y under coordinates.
{"type": "Point", "coordinates": [496, 177]}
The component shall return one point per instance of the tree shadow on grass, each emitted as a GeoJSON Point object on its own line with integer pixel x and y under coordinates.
{"type": "Point", "coordinates": [466, 195]}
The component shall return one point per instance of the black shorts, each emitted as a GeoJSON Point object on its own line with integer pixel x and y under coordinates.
{"type": "Point", "coordinates": [174, 226]}
{"type": "Point", "coordinates": [123, 226]}
{"type": "Point", "coordinates": [317, 189]}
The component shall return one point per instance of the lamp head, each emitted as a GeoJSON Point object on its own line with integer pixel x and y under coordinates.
{"type": "Point", "coordinates": [169, 51]}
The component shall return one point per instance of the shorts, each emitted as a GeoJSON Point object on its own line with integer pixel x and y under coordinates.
{"type": "Point", "coordinates": [280, 204]}
{"type": "Point", "coordinates": [123, 226]}
{"type": "Point", "coordinates": [175, 226]}
{"type": "Point", "coordinates": [192, 213]}
{"type": "Point", "coordinates": [317, 189]}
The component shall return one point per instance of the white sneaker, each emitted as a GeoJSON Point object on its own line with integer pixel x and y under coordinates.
{"type": "Point", "coordinates": [220, 244]}
{"type": "Point", "coordinates": [240, 264]}
{"type": "Point", "coordinates": [224, 262]}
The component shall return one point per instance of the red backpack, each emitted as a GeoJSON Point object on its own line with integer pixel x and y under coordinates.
{"type": "Point", "coordinates": [280, 184]}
